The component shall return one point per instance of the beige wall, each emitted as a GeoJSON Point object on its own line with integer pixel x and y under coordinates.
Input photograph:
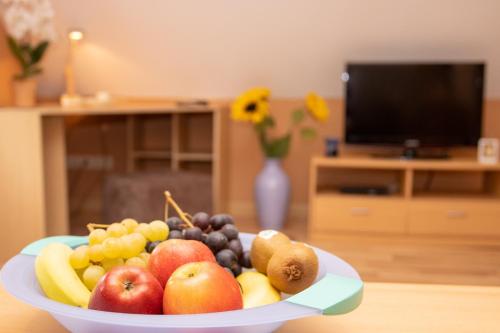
{"type": "Point", "coordinates": [217, 48]}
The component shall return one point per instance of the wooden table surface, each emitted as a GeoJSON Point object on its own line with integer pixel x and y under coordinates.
{"type": "Point", "coordinates": [386, 307]}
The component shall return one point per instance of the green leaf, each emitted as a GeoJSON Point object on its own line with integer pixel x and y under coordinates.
{"type": "Point", "coordinates": [267, 122]}
{"type": "Point", "coordinates": [17, 51]}
{"type": "Point", "coordinates": [298, 116]}
{"type": "Point", "coordinates": [28, 72]}
{"type": "Point", "coordinates": [38, 52]}
{"type": "Point", "coordinates": [308, 133]}
{"type": "Point", "coordinates": [279, 147]}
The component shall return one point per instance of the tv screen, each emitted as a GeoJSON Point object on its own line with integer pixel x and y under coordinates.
{"type": "Point", "coordinates": [437, 104]}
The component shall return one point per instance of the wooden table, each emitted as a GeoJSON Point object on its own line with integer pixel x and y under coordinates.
{"type": "Point", "coordinates": [387, 307]}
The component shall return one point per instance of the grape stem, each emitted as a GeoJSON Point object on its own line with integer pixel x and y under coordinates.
{"type": "Point", "coordinates": [182, 215]}
{"type": "Point", "coordinates": [92, 226]}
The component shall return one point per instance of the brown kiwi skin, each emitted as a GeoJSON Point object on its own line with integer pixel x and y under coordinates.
{"type": "Point", "coordinates": [293, 268]}
{"type": "Point", "coordinates": [263, 249]}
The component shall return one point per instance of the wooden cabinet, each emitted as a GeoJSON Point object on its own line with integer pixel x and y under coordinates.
{"type": "Point", "coordinates": [335, 212]}
{"type": "Point", "coordinates": [451, 197]}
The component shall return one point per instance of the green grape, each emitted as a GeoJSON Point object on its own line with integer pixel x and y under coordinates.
{"type": "Point", "coordinates": [116, 230]}
{"type": "Point", "coordinates": [107, 264]}
{"type": "Point", "coordinates": [145, 230]}
{"type": "Point", "coordinates": [97, 236]}
{"type": "Point", "coordinates": [129, 224]}
{"type": "Point", "coordinates": [79, 258]}
{"type": "Point", "coordinates": [135, 261]}
{"type": "Point", "coordinates": [130, 248]}
{"type": "Point", "coordinates": [112, 247]}
{"type": "Point", "coordinates": [92, 275]}
{"type": "Point", "coordinates": [96, 253]}
{"type": "Point", "coordinates": [159, 231]}
{"type": "Point", "coordinates": [144, 256]}
{"type": "Point", "coordinates": [139, 242]}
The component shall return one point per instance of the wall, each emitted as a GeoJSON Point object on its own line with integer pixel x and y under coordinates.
{"type": "Point", "coordinates": [8, 68]}
{"type": "Point", "coordinates": [216, 48]}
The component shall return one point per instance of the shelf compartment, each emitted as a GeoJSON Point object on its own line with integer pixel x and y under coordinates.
{"type": "Point", "coordinates": [331, 180]}
{"type": "Point", "coordinates": [195, 157]}
{"type": "Point", "coordinates": [454, 184]}
{"type": "Point", "coordinates": [195, 133]}
{"type": "Point", "coordinates": [152, 132]}
{"type": "Point", "coordinates": [152, 155]}
{"type": "Point", "coordinates": [196, 166]}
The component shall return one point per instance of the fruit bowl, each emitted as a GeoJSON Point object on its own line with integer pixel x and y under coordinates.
{"type": "Point", "coordinates": [338, 289]}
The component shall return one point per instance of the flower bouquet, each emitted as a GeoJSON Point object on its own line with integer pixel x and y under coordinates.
{"type": "Point", "coordinates": [272, 186]}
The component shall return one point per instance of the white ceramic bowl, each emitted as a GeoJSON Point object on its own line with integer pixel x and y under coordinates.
{"type": "Point", "coordinates": [338, 289]}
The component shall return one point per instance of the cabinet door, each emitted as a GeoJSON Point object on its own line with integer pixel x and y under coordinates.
{"type": "Point", "coordinates": [331, 212]}
{"type": "Point", "coordinates": [454, 217]}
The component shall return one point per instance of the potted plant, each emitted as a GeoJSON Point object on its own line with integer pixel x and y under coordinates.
{"type": "Point", "coordinates": [30, 29]}
{"type": "Point", "coordinates": [272, 185]}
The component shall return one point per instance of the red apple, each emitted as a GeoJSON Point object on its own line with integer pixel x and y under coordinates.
{"type": "Point", "coordinates": [128, 289]}
{"type": "Point", "coordinates": [173, 253]}
{"type": "Point", "coordinates": [201, 287]}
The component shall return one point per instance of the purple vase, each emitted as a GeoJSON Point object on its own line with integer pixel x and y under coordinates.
{"type": "Point", "coordinates": [272, 194]}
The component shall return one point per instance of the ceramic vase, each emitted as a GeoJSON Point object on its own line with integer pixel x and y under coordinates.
{"type": "Point", "coordinates": [272, 194]}
{"type": "Point", "coordinates": [25, 92]}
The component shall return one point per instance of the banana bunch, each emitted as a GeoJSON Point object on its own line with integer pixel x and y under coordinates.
{"type": "Point", "coordinates": [57, 278]}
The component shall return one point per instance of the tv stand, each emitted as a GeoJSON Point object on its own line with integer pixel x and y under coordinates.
{"type": "Point", "coordinates": [463, 197]}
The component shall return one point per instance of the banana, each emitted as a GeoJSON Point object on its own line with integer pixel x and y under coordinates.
{"type": "Point", "coordinates": [57, 278]}
{"type": "Point", "coordinates": [257, 290]}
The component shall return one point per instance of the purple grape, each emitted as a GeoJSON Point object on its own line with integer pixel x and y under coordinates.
{"type": "Point", "coordinates": [201, 220]}
{"type": "Point", "coordinates": [230, 231]}
{"type": "Point", "coordinates": [220, 220]}
{"type": "Point", "coordinates": [175, 234]}
{"type": "Point", "coordinates": [245, 260]}
{"type": "Point", "coordinates": [216, 241]}
{"type": "Point", "coordinates": [193, 233]}
{"type": "Point", "coordinates": [235, 246]}
{"type": "Point", "coordinates": [175, 223]}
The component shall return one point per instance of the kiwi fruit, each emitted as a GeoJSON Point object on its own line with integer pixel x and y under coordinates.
{"type": "Point", "coordinates": [293, 268]}
{"type": "Point", "coordinates": [263, 247]}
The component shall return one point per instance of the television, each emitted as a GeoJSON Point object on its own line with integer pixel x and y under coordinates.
{"type": "Point", "coordinates": [421, 104]}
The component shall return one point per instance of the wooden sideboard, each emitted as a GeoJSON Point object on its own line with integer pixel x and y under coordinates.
{"type": "Point", "coordinates": [426, 197]}
{"type": "Point", "coordinates": [33, 166]}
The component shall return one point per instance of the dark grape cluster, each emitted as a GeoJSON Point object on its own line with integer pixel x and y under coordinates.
{"type": "Point", "coordinates": [218, 232]}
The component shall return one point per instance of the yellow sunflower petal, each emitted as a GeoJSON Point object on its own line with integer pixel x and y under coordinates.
{"type": "Point", "coordinates": [317, 106]}
{"type": "Point", "coordinates": [251, 105]}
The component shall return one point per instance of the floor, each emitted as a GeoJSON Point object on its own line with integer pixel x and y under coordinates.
{"type": "Point", "coordinates": [381, 258]}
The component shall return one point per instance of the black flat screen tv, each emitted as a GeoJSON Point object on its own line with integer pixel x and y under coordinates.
{"type": "Point", "coordinates": [435, 105]}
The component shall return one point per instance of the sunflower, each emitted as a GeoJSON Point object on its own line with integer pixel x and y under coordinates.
{"type": "Point", "coordinates": [252, 105]}
{"type": "Point", "coordinates": [317, 106]}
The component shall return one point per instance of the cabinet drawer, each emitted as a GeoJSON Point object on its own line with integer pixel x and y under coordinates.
{"type": "Point", "coordinates": [458, 217]}
{"type": "Point", "coordinates": [358, 214]}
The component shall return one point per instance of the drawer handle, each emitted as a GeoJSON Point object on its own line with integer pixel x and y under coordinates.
{"type": "Point", "coordinates": [456, 214]}
{"type": "Point", "coordinates": [360, 211]}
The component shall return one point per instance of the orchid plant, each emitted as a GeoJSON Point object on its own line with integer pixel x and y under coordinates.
{"type": "Point", "coordinates": [30, 29]}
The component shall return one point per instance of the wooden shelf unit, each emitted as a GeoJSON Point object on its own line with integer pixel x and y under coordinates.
{"type": "Point", "coordinates": [429, 197]}
{"type": "Point", "coordinates": [178, 131]}
{"type": "Point", "coordinates": [34, 170]}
